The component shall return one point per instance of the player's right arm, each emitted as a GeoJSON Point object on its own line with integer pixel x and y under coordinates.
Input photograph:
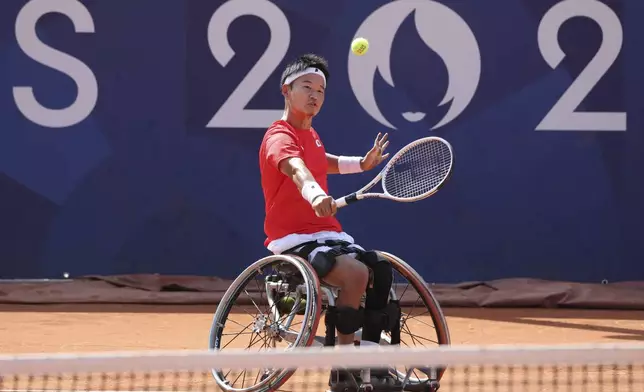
{"type": "Point", "coordinates": [283, 153]}
{"type": "Point", "coordinates": [295, 169]}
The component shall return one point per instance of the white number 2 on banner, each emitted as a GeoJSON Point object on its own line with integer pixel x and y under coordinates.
{"type": "Point", "coordinates": [563, 115]}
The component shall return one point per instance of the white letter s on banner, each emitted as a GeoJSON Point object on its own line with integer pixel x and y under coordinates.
{"type": "Point", "coordinates": [33, 47]}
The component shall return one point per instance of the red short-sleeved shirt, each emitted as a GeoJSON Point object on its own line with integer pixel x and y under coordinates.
{"type": "Point", "coordinates": [286, 210]}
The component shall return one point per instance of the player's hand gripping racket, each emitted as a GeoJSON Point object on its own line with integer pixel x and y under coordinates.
{"type": "Point", "coordinates": [417, 171]}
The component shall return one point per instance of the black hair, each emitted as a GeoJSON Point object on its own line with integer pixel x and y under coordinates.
{"type": "Point", "coordinates": [303, 62]}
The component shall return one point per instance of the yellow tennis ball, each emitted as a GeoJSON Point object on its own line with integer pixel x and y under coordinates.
{"type": "Point", "coordinates": [286, 305]}
{"type": "Point", "coordinates": [359, 46]}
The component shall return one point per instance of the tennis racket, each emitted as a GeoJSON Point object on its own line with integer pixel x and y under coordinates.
{"type": "Point", "coordinates": [416, 172]}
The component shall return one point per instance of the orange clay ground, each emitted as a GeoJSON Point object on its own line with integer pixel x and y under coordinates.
{"type": "Point", "coordinates": [82, 328]}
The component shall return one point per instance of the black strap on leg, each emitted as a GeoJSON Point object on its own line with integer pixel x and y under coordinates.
{"type": "Point", "coordinates": [378, 320]}
{"type": "Point", "coordinates": [381, 314]}
{"type": "Point", "coordinates": [394, 323]}
{"type": "Point", "coordinates": [329, 324]}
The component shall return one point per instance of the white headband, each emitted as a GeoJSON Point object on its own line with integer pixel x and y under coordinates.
{"type": "Point", "coordinates": [307, 71]}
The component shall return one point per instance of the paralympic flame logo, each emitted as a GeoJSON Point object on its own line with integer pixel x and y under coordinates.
{"type": "Point", "coordinates": [442, 30]}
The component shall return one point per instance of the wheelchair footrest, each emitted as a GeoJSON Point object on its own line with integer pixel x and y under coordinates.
{"type": "Point", "coordinates": [380, 384]}
{"type": "Point", "coordinates": [374, 386]}
{"type": "Point", "coordinates": [348, 380]}
{"type": "Point", "coordinates": [431, 386]}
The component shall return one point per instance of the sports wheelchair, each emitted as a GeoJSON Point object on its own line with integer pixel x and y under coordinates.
{"type": "Point", "coordinates": [296, 301]}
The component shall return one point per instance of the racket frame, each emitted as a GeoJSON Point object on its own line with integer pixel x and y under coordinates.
{"type": "Point", "coordinates": [360, 194]}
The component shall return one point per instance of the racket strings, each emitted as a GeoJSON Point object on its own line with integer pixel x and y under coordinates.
{"type": "Point", "coordinates": [419, 170]}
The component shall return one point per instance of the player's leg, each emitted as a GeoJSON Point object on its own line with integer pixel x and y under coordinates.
{"type": "Point", "coordinates": [376, 277]}
{"type": "Point", "coordinates": [335, 264]}
{"type": "Point", "coordinates": [355, 272]}
{"type": "Point", "coordinates": [352, 277]}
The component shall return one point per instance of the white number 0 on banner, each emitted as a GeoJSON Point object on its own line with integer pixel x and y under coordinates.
{"type": "Point", "coordinates": [562, 117]}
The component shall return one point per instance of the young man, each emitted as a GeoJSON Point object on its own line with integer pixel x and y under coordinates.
{"type": "Point", "coordinates": [300, 215]}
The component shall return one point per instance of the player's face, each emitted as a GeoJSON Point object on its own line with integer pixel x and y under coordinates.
{"type": "Point", "coordinates": [306, 95]}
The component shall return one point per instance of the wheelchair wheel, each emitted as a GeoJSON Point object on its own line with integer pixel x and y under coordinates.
{"type": "Point", "coordinates": [284, 291]}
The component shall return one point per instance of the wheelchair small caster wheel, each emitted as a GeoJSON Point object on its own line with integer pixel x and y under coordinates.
{"type": "Point", "coordinates": [366, 388]}
{"type": "Point", "coordinates": [432, 386]}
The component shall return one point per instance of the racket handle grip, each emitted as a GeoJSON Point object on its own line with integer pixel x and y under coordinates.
{"type": "Point", "coordinates": [341, 202]}
{"type": "Point", "coordinates": [348, 199]}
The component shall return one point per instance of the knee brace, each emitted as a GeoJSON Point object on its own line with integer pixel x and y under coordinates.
{"type": "Point", "coordinates": [345, 319]}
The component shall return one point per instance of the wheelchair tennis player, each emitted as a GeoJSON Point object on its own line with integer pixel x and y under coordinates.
{"type": "Point", "coordinates": [300, 215]}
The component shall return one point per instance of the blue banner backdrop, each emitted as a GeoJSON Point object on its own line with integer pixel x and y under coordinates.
{"type": "Point", "coordinates": [129, 132]}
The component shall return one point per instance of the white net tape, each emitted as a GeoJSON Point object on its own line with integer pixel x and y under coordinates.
{"type": "Point", "coordinates": [495, 368]}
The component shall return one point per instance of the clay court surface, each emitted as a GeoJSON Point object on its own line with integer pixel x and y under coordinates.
{"type": "Point", "coordinates": [83, 328]}
{"type": "Point", "coordinates": [55, 328]}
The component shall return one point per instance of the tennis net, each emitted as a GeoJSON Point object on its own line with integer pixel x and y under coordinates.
{"type": "Point", "coordinates": [587, 368]}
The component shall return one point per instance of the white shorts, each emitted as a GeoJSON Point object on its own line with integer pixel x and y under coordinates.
{"type": "Point", "coordinates": [292, 240]}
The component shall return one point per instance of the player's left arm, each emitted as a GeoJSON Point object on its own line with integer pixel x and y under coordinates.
{"type": "Point", "coordinates": [346, 165]}
{"type": "Point", "coordinates": [332, 165]}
